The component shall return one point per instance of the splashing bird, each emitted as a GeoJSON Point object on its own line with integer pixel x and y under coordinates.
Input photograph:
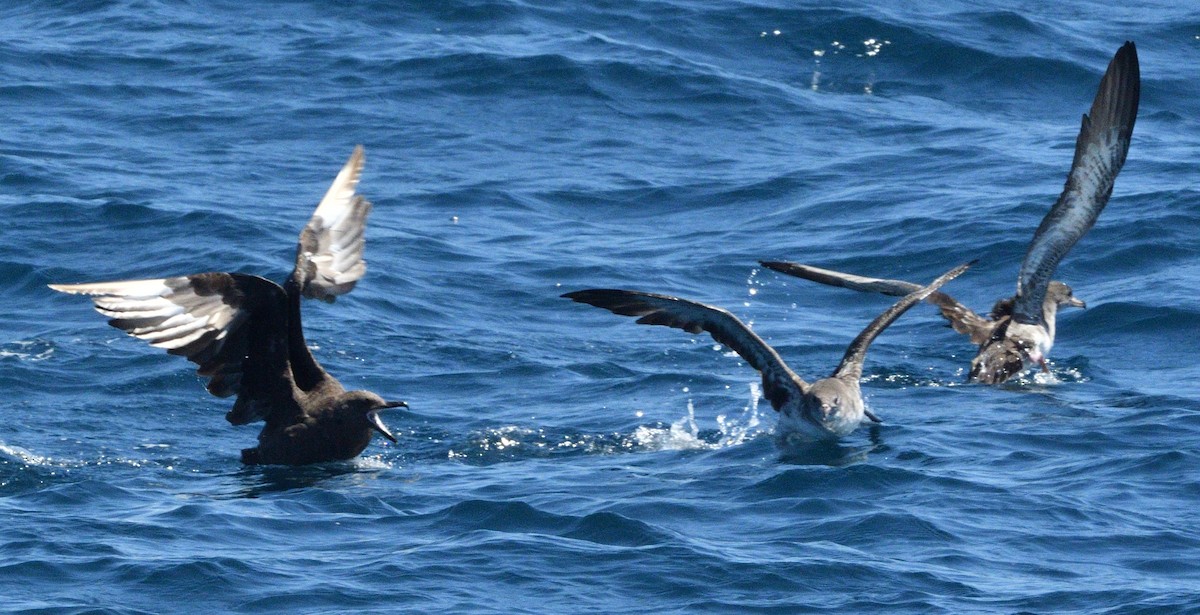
{"type": "Point", "coordinates": [826, 409]}
{"type": "Point", "coordinates": [1020, 331]}
{"type": "Point", "coordinates": [244, 333]}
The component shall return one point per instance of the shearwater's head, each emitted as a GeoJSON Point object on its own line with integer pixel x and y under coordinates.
{"type": "Point", "coordinates": [1060, 294]}
{"type": "Point", "coordinates": [834, 405]}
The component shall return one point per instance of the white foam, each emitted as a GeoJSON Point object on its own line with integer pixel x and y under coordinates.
{"type": "Point", "coordinates": [372, 462]}
{"type": "Point", "coordinates": [32, 459]}
{"type": "Point", "coordinates": [27, 350]}
{"type": "Point", "coordinates": [24, 455]}
{"type": "Point", "coordinates": [684, 433]}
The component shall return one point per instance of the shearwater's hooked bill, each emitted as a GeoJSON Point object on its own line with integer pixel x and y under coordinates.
{"type": "Point", "coordinates": [244, 332]}
{"type": "Point", "coordinates": [1020, 332]}
{"type": "Point", "coordinates": [826, 409]}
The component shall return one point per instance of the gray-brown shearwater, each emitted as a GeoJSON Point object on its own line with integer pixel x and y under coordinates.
{"type": "Point", "coordinates": [826, 409]}
{"type": "Point", "coordinates": [245, 334]}
{"type": "Point", "coordinates": [1020, 332]}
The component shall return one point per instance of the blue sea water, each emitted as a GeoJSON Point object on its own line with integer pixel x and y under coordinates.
{"type": "Point", "coordinates": [557, 458]}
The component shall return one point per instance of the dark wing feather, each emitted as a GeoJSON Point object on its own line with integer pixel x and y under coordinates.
{"type": "Point", "coordinates": [233, 326]}
{"type": "Point", "coordinates": [852, 361]}
{"type": "Point", "coordinates": [779, 382]}
{"type": "Point", "coordinates": [960, 317]}
{"type": "Point", "coordinates": [1100, 152]}
{"type": "Point", "coordinates": [896, 288]}
{"type": "Point", "coordinates": [329, 256]}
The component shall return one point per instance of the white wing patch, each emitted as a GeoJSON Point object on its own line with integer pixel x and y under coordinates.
{"type": "Point", "coordinates": [329, 259]}
{"type": "Point", "coordinates": [166, 312]}
{"type": "Point", "coordinates": [332, 208]}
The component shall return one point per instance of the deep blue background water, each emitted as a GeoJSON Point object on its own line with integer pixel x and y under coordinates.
{"type": "Point", "coordinates": [557, 458]}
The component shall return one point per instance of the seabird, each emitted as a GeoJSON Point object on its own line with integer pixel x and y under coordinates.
{"type": "Point", "coordinates": [1020, 331]}
{"type": "Point", "coordinates": [826, 409]}
{"type": "Point", "coordinates": [245, 334]}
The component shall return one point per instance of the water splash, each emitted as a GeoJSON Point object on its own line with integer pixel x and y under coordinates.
{"type": "Point", "coordinates": [685, 433]}
{"type": "Point", "coordinates": [24, 456]}
{"type": "Point", "coordinates": [27, 458]}
{"type": "Point", "coordinates": [372, 462]}
{"type": "Point", "coordinates": [1057, 375]}
{"type": "Point", "coordinates": [902, 376]}
{"type": "Point", "coordinates": [746, 425]}
{"type": "Point", "coordinates": [752, 286]}
{"type": "Point", "coordinates": [515, 442]}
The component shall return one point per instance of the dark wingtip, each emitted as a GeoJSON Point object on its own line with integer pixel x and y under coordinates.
{"type": "Point", "coordinates": [602, 297]}
{"type": "Point", "coordinates": [796, 270]}
{"type": "Point", "coordinates": [1128, 86]}
{"type": "Point", "coordinates": [949, 275]}
{"type": "Point", "coordinates": [582, 296]}
{"type": "Point", "coordinates": [1127, 56]}
{"type": "Point", "coordinates": [952, 274]}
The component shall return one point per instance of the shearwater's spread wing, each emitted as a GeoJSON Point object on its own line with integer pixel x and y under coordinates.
{"type": "Point", "coordinates": [779, 382]}
{"type": "Point", "coordinates": [233, 326]}
{"type": "Point", "coordinates": [896, 288]}
{"type": "Point", "coordinates": [1100, 152]}
{"type": "Point", "coordinates": [852, 361]}
{"type": "Point", "coordinates": [329, 257]}
{"type": "Point", "coordinates": [960, 317]}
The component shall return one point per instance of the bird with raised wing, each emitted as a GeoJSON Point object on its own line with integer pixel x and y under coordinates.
{"type": "Point", "coordinates": [244, 333]}
{"type": "Point", "coordinates": [826, 409]}
{"type": "Point", "coordinates": [1020, 330]}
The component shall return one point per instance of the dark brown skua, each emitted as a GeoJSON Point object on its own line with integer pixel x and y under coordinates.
{"type": "Point", "coordinates": [245, 333]}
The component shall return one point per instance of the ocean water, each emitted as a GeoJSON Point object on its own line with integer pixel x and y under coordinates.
{"type": "Point", "coordinates": [557, 458]}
